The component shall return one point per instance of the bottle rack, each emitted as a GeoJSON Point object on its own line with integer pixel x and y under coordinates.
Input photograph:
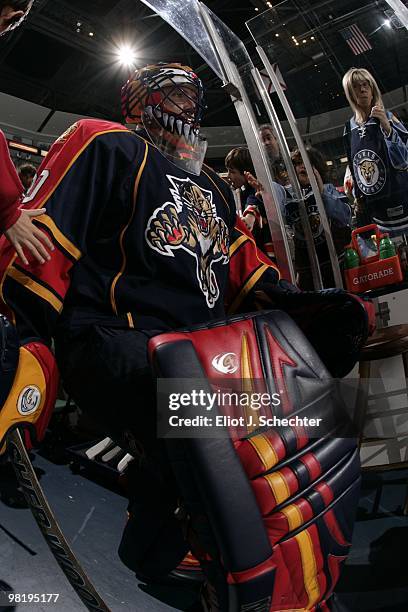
{"type": "Point", "coordinates": [373, 271]}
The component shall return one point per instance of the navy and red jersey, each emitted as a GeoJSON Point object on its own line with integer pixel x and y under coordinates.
{"type": "Point", "coordinates": [379, 165]}
{"type": "Point", "coordinates": [138, 241]}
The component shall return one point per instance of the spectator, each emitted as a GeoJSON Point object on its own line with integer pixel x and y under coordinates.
{"type": "Point", "coordinates": [26, 173]}
{"type": "Point", "coordinates": [279, 172]}
{"type": "Point", "coordinates": [338, 212]}
{"type": "Point", "coordinates": [238, 162]}
{"type": "Point", "coordinates": [269, 140]}
{"type": "Point", "coordinates": [377, 150]}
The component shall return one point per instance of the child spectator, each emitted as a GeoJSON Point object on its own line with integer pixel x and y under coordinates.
{"type": "Point", "coordinates": [26, 173]}
{"type": "Point", "coordinates": [278, 168]}
{"type": "Point", "coordinates": [238, 162]}
{"type": "Point", "coordinates": [337, 209]}
{"type": "Point", "coordinates": [338, 212]}
{"type": "Point", "coordinates": [376, 143]}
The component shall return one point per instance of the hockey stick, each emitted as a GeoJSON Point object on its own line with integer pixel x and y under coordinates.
{"type": "Point", "coordinates": [50, 529]}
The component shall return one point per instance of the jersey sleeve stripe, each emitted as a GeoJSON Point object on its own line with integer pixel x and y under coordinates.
{"type": "Point", "coordinates": [43, 281]}
{"type": "Point", "coordinates": [66, 244]}
{"type": "Point", "coordinates": [8, 266]}
{"type": "Point", "coordinates": [53, 274]}
{"type": "Point", "coordinates": [252, 280]}
{"type": "Point", "coordinates": [260, 256]}
{"type": "Point", "coordinates": [238, 242]}
{"type": "Point", "coordinates": [35, 287]}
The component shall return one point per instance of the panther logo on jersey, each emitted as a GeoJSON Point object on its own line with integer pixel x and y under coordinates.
{"type": "Point", "coordinates": [294, 220]}
{"type": "Point", "coordinates": [191, 223]}
{"type": "Point", "coordinates": [370, 172]}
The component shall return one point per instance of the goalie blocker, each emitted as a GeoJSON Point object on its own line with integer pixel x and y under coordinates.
{"type": "Point", "coordinates": [28, 386]}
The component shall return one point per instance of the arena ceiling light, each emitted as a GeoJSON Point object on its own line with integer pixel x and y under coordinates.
{"type": "Point", "coordinates": [22, 147]}
{"type": "Point", "coordinates": [126, 55]}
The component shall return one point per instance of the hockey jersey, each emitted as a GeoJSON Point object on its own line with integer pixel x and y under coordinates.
{"type": "Point", "coordinates": [338, 213]}
{"type": "Point", "coordinates": [139, 242]}
{"type": "Point", "coordinates": [379, 166]}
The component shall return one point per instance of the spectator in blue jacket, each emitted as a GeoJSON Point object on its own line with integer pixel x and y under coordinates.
{"type": "Point", "coordinates": [338, 212]}
{"type": "Point", "coordinates": [337, 209]}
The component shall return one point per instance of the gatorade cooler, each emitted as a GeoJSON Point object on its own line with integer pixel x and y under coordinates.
{"type": "Point", "coordinates": [373, 271]}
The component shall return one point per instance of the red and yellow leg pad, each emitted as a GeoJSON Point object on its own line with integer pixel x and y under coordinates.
{"type": "Point", "coordinates": [31, 400]}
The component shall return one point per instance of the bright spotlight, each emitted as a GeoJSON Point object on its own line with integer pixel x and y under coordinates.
{"type": "Point", "coordinates": [387, 23]}
{"type": "Point", "coordinates": [126, 55]}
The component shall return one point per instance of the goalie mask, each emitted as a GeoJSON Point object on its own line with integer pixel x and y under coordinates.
{"type": "Point", "coordinates": [168, 100]}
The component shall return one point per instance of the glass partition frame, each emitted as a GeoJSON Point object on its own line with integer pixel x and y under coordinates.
{"type": "Point", "coordinates": [200, 31]}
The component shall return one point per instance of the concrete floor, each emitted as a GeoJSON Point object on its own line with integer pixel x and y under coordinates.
{"type": "Point", "coordinates": [92, 518]}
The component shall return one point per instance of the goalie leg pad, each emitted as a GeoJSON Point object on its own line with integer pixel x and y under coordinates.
{"type": "Point", "coordinates": [269, 513]}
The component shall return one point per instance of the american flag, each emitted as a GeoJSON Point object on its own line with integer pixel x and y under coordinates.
{"type": "Point", "coordinates": [268, 83]}
{"type": "Point", "coordinates": [355, 39]}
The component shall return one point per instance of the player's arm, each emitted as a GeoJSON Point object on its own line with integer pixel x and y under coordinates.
{"type": "Point", "coordinates": [10, 187]}
{"type": "Point", "coordinates": [16, 223]}
{"type": "Point", "coordinates": [73, 185]}
{"type": "Point", "coordinates": [329, 318]}
{"type": "Point", "coordinates": [248, 265]}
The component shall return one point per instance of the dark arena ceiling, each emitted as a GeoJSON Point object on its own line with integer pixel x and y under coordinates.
{"type": "Point", "coordinates": [63, 57]}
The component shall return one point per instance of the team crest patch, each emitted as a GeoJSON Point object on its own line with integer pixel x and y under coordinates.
{"type": "Point", "coordinates": [191, 223]}
{"type": "Point", "coordinates": [29, 400]}
{"type": "Point", "coordinates": [64, 137]}
{"type": "Point", "coordinates": [226, 363]}
{"type": "Point", "coordinates": [370, 172]}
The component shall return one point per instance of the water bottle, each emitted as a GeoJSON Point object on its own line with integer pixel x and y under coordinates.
{"type": "Point", "coordinates": [351, 258]}
{"type": "Point", "coordinates": [387, 248]}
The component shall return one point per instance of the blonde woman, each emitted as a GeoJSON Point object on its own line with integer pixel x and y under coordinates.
{"type": "Point", "coordinates": [377, 151]}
